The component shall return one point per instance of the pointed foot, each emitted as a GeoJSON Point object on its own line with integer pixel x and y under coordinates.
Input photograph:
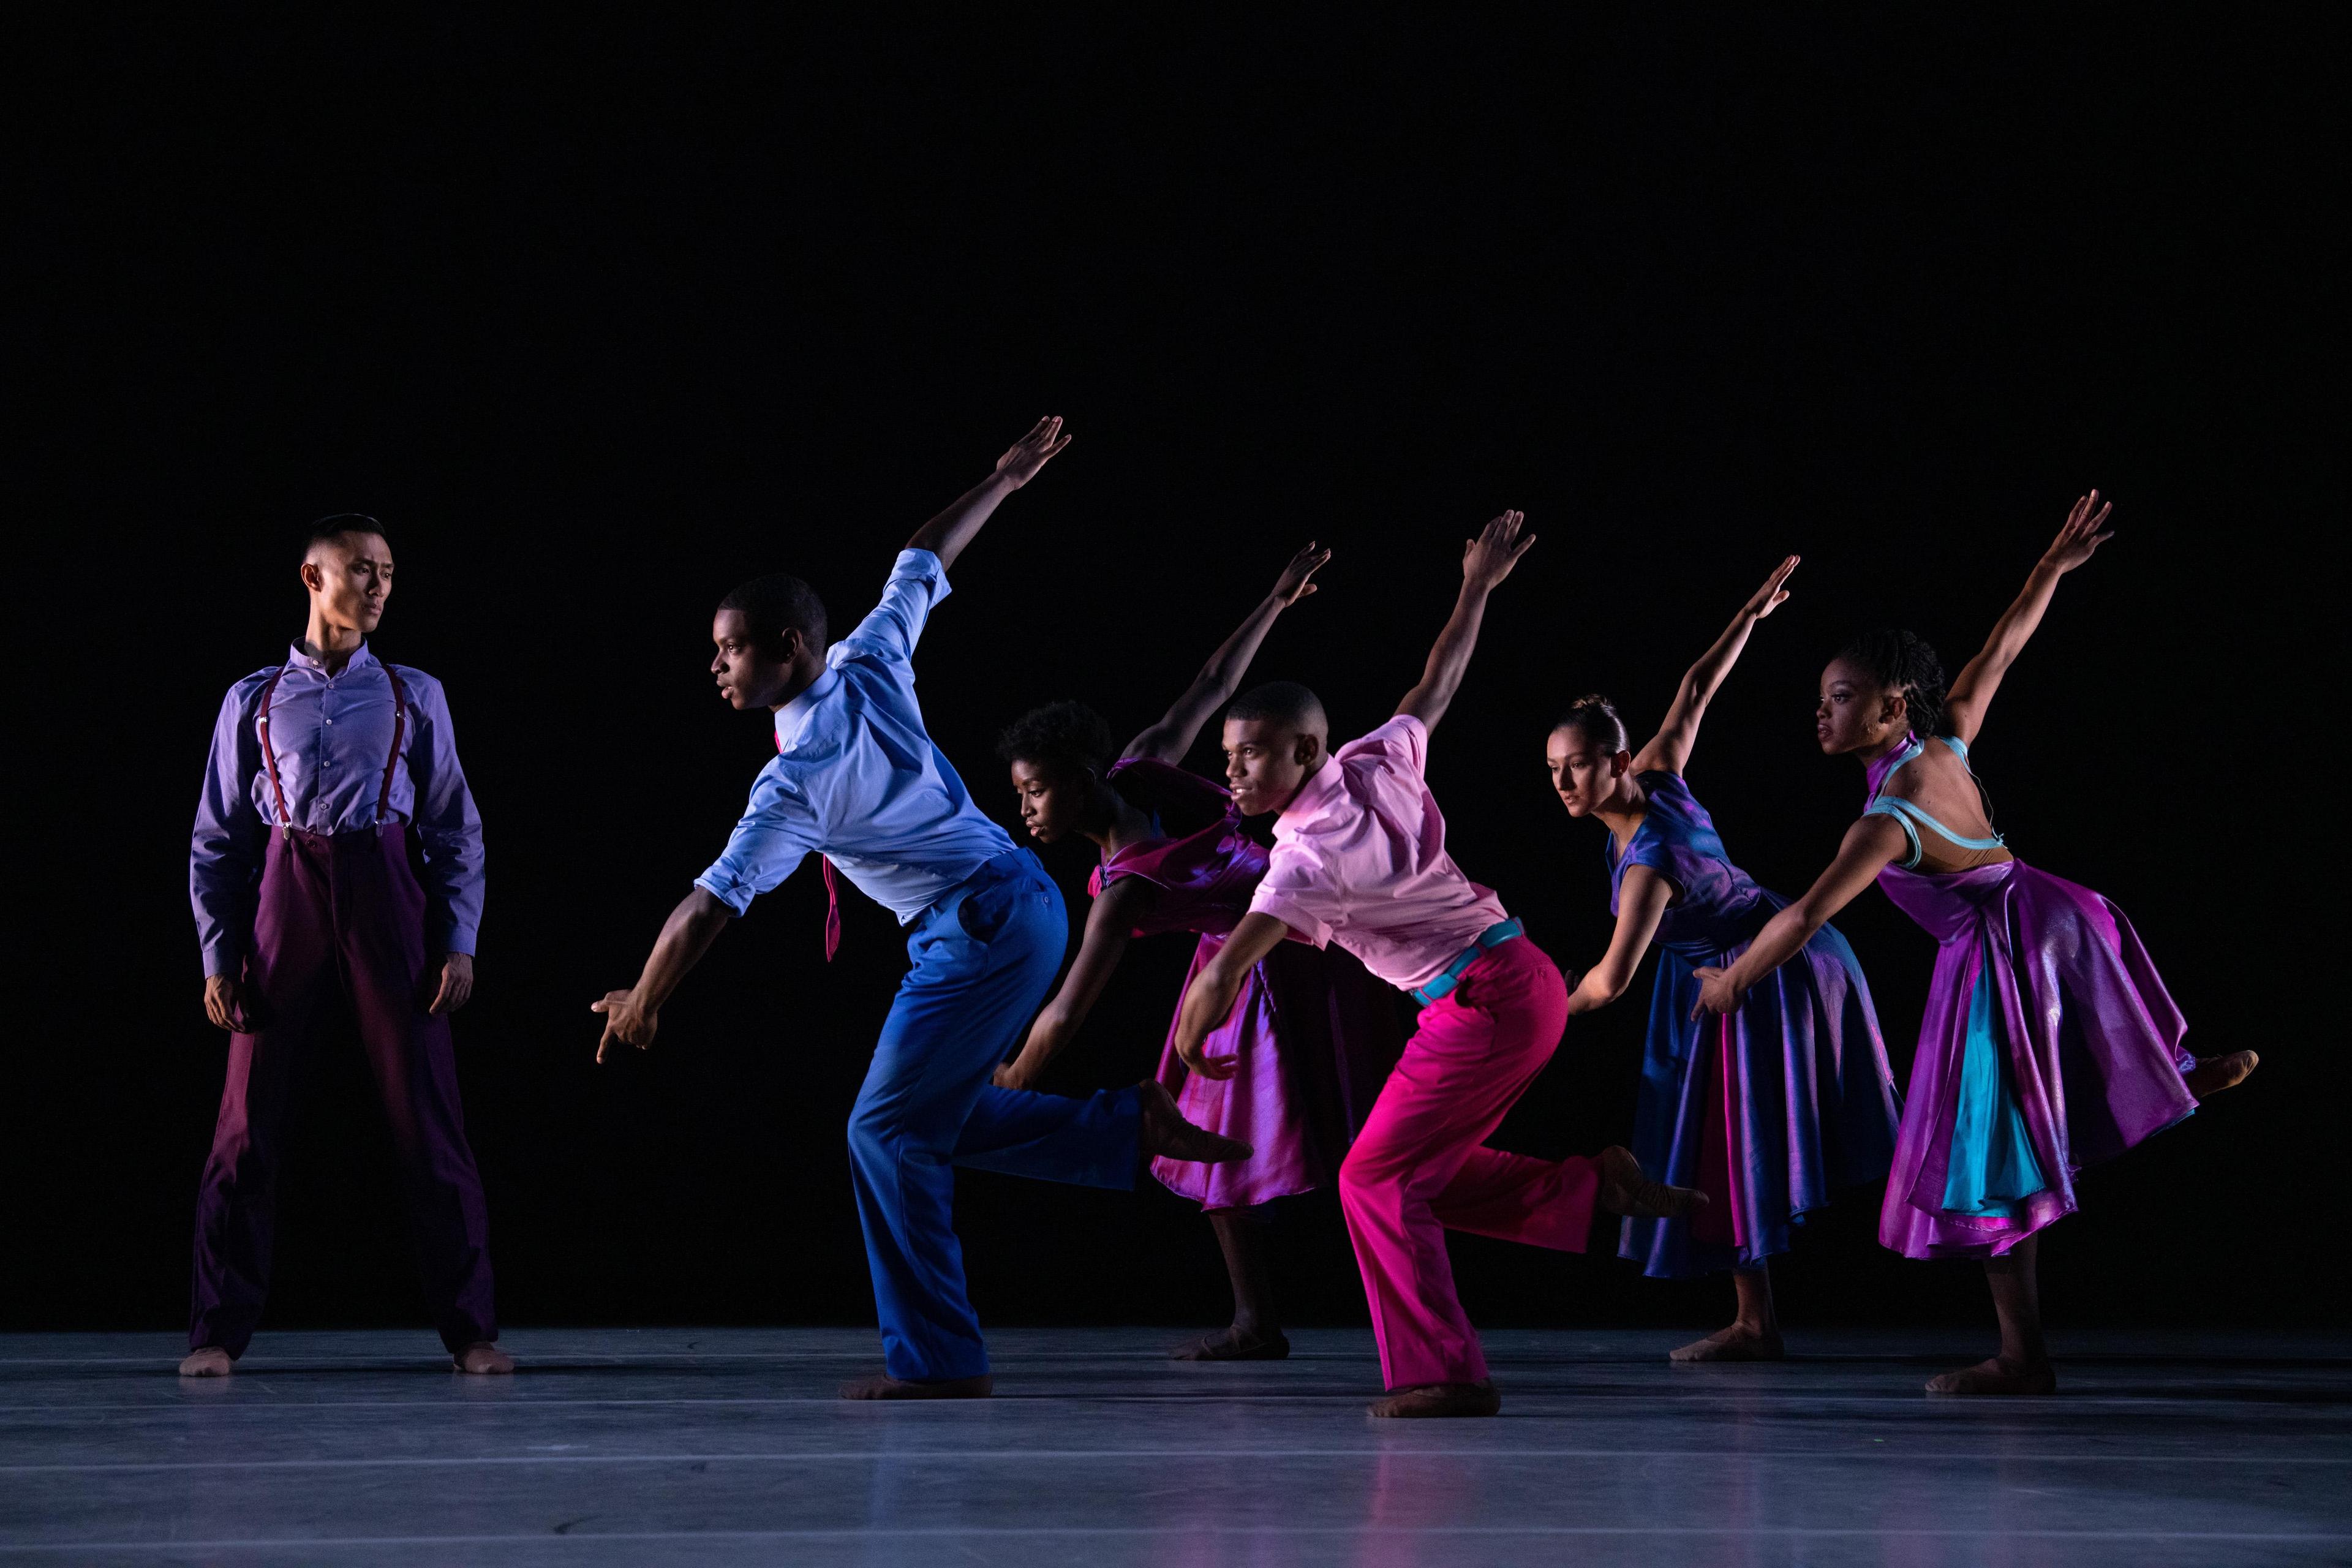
{"type": "Point", "coordinates": [484, 1358]}
{"type": "Point", "coordinates": [1233, 1344]}
{"type": "Point", "coordinates": [1164, 1132]}
{"type": "Point", "coordinates": [1737, 1343]}
{"type": "Point", "coordinates": [1998, 1375]}
{"type": "Point", "coordinates": [1625, 1190]}
{"type": "Point", "coordinates": [883, 1386]}
{"type": "Point", "coordinates": [209, 1361]}
{"type": "Point", "coordinates": [2212, 1075]}
{"type": "Point", "coordinates": [1433, 1400]}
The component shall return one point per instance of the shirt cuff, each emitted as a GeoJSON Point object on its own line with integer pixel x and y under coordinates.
{"type": "Point", "coordinates": [735, 895]}
{"type": "Point", "coordinates": [922, 565]}
{"type": "Point", "coordinates": [447, 936]}
{"type": "Point", "coordinates": [1306, 926]}
{"type": "Point", "coordinates": [224, 958]}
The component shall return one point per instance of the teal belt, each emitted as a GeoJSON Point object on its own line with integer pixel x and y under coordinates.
{"type": "Point", "coordinates": [1493, 936]}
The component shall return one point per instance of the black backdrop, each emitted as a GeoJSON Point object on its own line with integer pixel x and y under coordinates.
{"type": "Point", "coordinates": [603, 316]}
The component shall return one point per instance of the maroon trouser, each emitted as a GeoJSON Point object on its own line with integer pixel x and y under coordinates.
{"type": "Point", "coordinates": [339, 910]}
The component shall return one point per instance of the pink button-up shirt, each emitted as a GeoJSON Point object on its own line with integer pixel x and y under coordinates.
{"type": "Point", "coordinates": [1359, 859]}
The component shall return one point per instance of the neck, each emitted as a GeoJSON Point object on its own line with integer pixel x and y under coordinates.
{"type": "Point", "coordinates": [1110, 820]}
{"type": "Point", "coordinates": [331, 645]}
{"type": "Point", "coordinates": [1623, 812]}
{"type": "Point", "coordinates": [1878, 749]}
{"type": "Point", "coordinates": [804, 673]}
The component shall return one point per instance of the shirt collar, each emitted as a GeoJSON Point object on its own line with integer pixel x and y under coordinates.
{"type": "Point", "coordinates": [1312, 797]}
{"type": "Point", "coordinates": [792, 718]}
{"type": "Point", "coordinates": [297, 658]}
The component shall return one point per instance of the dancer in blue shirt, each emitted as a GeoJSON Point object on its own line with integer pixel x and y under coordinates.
{"type": "Point", "coordinates": [857, 781]}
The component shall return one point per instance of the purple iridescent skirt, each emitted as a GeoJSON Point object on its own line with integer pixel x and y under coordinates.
{"type": "Point", "coordinates": [2074, 1040]}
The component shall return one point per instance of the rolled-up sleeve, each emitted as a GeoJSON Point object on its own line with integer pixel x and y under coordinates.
{"type": "Point", "coordinates": [889, 632]}
{"type": "Point", "coordinates": [777, 831]}
{"type": "Point", "coordinates": [225, 850]}
{"type": "Point", "coordinates": [1403, 742]}
{"type": "Point", "coordinates": [449, 828]}
{"type": "Point", "coordinates": [1298, 891]}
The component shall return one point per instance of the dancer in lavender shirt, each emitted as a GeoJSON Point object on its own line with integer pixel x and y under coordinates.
{"type": "Point", "coordinates": [336, 846]}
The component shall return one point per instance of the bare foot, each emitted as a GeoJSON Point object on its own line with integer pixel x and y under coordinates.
{"type": "Point", "coordinates": [2212, 1075]}
{"type": "Point", "coordinates": [1435, 1399]}
{"type": "Point", "coordinates": [210, 1362]}
{"type": "Point", "coordinates": [1164, 1131]}
{"type": "Point", "coordinates": [883, 1386]}
{"type": "Point", "coordinates": [1741, 1341]}
{"type": "Point", "coordinates": [1233, 1344]}
{"type": "Point", "coordinates": [485, 1359]}
{"type": "Point", "coordinates": [1625, 1190]}
{"type": "Point", "coordinates": [1998, 1376]}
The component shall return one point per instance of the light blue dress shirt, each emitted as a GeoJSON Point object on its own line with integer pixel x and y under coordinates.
{"type": "Point", "coordinates": [331, 735]}
{"type": "Point", "coordinates": [856, 776]}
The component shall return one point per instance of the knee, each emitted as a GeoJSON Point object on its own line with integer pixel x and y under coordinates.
{"type": "Point", "coordinates": [874, 1131]}
{"type": "Point", "coordinates": [1365, 1175]}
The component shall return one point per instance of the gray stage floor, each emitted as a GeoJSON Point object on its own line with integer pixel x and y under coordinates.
{"type": "Point", "coordinates": [725, 1445]}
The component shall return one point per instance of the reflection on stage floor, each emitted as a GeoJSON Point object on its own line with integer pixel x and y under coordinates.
{"type": "Point", "coordinates": [727, 1446]}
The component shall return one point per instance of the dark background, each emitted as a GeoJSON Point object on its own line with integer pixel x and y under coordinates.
{"type": "Point", "coordinates": [603, 316]}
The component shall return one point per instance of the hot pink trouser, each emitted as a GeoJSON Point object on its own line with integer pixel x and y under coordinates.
{"type": "Point", "coordinates": [1419, 1166]}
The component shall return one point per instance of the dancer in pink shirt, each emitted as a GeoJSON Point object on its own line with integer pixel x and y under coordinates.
{"type": "Point", "coordinates": [1359, 859]}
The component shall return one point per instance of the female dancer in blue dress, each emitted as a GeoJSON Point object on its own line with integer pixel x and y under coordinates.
{"type": "Point", "coordinates": [2048, 1043]}
{"type": "Point", "coordinates": [1769, 1108]}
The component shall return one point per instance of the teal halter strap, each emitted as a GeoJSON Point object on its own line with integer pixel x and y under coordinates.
{"type": "Point", "coordinates": [1910, 818]}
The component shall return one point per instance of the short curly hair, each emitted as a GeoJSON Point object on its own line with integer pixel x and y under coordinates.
{"type": "Point", "coordinates": [1066, 737]}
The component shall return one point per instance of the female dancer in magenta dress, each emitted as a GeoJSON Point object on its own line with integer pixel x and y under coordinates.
{"type": "Point", "coordinates": [1765, 1110]}
{"type": "Point", "coordinates": [2048, 1043]}
{"type": "Point", "coordinates": [1314, 1034]}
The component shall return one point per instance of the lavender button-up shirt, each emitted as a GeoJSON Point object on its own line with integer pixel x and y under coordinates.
{"type": "Point", "coordinates": [331, 735]}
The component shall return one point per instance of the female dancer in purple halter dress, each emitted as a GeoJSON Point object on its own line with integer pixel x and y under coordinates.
{"type": "Point", "coordinates": [1314, 1034]}
{"type": "Point", "coordinates": [1769, 1108]}
{"type": "Point", "coordinates": [2048, 1043]}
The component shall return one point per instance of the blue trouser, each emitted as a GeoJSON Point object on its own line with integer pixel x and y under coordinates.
{"type": "Point", "coordinates": [985, 955]}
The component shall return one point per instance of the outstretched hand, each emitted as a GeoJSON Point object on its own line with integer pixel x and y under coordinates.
{"type": "Point", "coordinates": [1293, 585]}
{"type": "Point", "coordinates": [625, 1022]}
{"type": "Point", "coordinates": [1488, 559]}
{"type": "Point", "coordinates": [1770, 597]}
{"type": "Point", "coordinates": [1032, 451]}
{"type": "Point", "coordinates": [2081, 534]}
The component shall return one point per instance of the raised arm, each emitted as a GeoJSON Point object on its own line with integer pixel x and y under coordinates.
{"type": "Point", "coordinates": [946, 534]}
{"type": "Point", "coordinates": [1122, 906]}
{"type": "Point", "coordinates": [1170, 739]}
{"type": "Point", "coordinates": [1670, 748]}
{"type": "Point", "coordinates": [1486, 561]}
{"type": "Point", "coordinates": [1870, 845]}
{"type": "Point", "coordinates": [1971, 694]}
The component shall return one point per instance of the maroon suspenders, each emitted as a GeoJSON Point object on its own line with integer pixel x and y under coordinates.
{"type": "Point", "coordinates": [269, 753]}
{"type": "Point", "coordinates": [399, 727]}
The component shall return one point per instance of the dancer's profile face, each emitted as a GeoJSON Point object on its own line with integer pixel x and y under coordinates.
{"type": "Point", "coordinates": [1856, 710]}
{"type": "Point", "coordinates": [1265, 762]}
{"type": "Point", "coordinates": [1583, 775]}
{"type": "Point", "coordinates": [1050, 798]}
{"type": "Point", "coordinates": [748, 675]}
{"type": "Point", "coordinates": [350, 578]}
